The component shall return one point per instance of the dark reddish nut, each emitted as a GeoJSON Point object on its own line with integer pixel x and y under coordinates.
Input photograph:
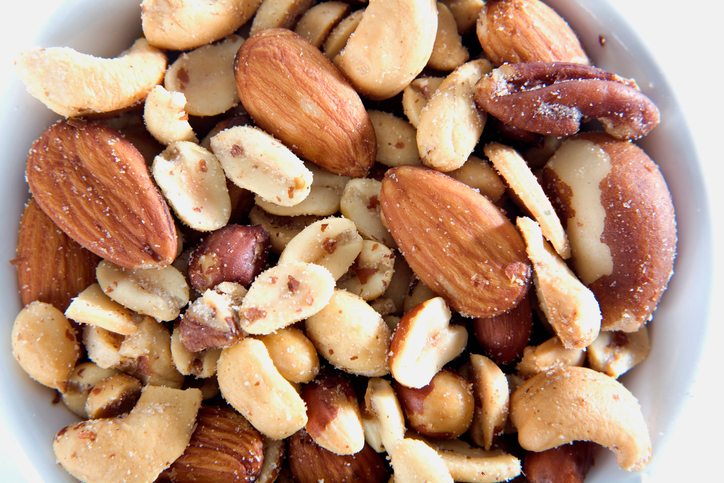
{"type": "Point", "coordinates": [442, 409]}
{"type": "Point", "coordinates": [554, 97]}
{"type": "Point", "coordinates": [224, 447]}
{"type": "Point", "coordinates": [234, 253]}
{"type": "Point", "coordinates": [503, 337]}
{"type": "Point", "coordinates": [310, 463]}
{"type": "Point", "coordinates": [568, 463]}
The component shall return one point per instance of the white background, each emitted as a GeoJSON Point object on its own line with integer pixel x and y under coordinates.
{"type": "Point", "coordinates": [686, 41]}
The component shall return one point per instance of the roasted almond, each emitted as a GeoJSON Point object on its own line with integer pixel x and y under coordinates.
{"type": "Point", "coordinates": [295, 93]}
{"type": "Point", "coordinates": [95, 186]}
{"type": "Point", "coordinates": [458, 243]}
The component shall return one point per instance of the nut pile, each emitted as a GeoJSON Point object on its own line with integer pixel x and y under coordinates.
{"type": "Point", "coordinates": [287, 240]}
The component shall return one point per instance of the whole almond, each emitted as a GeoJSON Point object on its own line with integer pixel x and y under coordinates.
{"type": "Point", "coordinates": [95, 186]}
{"type": "Point", "coordinates": [295, 93]}
{"type": "Point", "coordinates": [458, 243]}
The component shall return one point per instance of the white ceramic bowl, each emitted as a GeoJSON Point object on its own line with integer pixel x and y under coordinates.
{"type": "Point", "coordinates": [105, 28]}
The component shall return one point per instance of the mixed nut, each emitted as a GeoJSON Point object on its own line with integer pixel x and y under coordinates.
{"type": "Point", "coordinates": [288, 240]}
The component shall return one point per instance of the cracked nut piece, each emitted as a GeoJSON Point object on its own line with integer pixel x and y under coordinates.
{"type": "Point", "coordinates": [472, 464]}
{"type": "Point", "coordinates": [200, 364]}
{"type": "Point", "coordinates": [279, 13]}
{"type": "Point", "coordinates": [297, 95]}
{"type": "Point", "coordinates": [548, 355]}
{"type": "Point", "coordinates": [360, 203]}
{"type": "Point", "coordinates": [223, 447]}
{"type": "Point", "coordinates": [159, 427]}
{"type": "Point", "coordinates": [617, 210]}
{"type": "Point", "coordinates": [148, 352]}
{"type": "Point", "coordinates": [382, 416]}
{"type": "Point", "coordinates": [95, 186]}
{"type": "Point", "coordinates": [512, 31]}
{"type": "Point", "coordinates": [59, 77]}
{"type": "Point", "coordinates": [553, 98]}
{"type": "Point", "coordinates": [45, 344]}
{"type": "Point", "coordinates": [390, 46]}
{"type": "Point", "coordinates": [165, 117]}
{"type": "Point", "coordinates": [580, 404]}
{"type": "Point", "coordinates": [94, 307]}
{"type": "Point", "coordinates": [492, 396]}
{"type": "Point", "coordinates": [294, 355]}
{"type": "Point", "coordinates": [250, 382]}
{"type": "Point", "coordinates": [371, 273]}
{"type": "Point", "coordinates": [415, 460]}
{"type": "Point", "coordinates": [212, 320]}
{"type": "Point", "coordinates": [233, 253]}
{"type": "Point", "coordinates": [423, 342]}
{"type": "Point", "coordinates": [615, 352]}
{"type": "Point", "coordinates": [113, 396]}
{"type": "Point", "coordinates": [84, 377]}
{"type": "Point", "coordinates": [458, 243]}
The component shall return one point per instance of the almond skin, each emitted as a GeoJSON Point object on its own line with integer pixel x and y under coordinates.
{"type": "Point", "coordinates": [458, 243]}
{"type": "Point", "coordinates": [295, 93]}
{"type": "Point", "coordinates": [95, 186]}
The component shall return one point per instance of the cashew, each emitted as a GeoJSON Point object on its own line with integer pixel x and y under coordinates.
{"type": "Point", "coordinates": [74, 84]}
{"type": "Point", "coordinates": [450, 123]}
{"type": "Point", "coordinates": [317, 22]}
{"type": "Point", "coordinates": [279, 13]}
{"type": "Point", "coordinates": [570, 307]}
{"type": "Point", "coordinates": [94, 307]}
{"type": "Point", "coordinates": [187, 24]}
{"type": "Point", "coordinates": [165, 117]}
{"type": "Point", "coordinates": [615, 352]}
{"type": "Point", "coordinates": [448, 52]}
{"type": "Point", "coordinates": [404, 31]}
{"type": "Point", "coordinates": [45, 344]}
{"type": "Point", "coordinates": [577, 403]}
{"type": "Point", "coordinates": [142, 444]}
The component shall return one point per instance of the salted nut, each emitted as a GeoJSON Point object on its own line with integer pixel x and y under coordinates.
{"type": "Point", "coordinates": [58, 76]}
{"type": "Point", "coordinates": [553, 98]}
{"type": "Point", "coordinates": [576, 403]}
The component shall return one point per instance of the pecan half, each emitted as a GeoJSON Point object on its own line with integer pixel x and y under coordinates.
{"type": "Point", "coordinates": [554, 97]}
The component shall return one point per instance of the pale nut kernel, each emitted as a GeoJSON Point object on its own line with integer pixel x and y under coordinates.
{"type": "Point", "coordinates": [113, 396]}
{"type": "Point", "coordinates": [417, 293]}
{"type": "Point", "coordinates": [371, 273]}
{"type": "Point", "coordinates": [279, 13]}
{"type": "Point", "coordinates": [285, 294]}
{"type": "Point", "coordinates": [323, 198]}
{"type": "Point", "coordinates": [526, 30]}
{"type": "Point", "coordinates": [200, 364]}
{"type": "Point", "coordinates": [332, 243]}
{"type": "Point", "coordinates": [448, 51]}
{"type": "Point", "coordinates": [524, 183]}
{"type": "Point", "coordinates": [415, 460]}
{"type": "Point", "coordinates": [340, 34]}
{"type": "Point", "coordinates": [194, 184]}
{"type": "Point", "coordinates": [256, 161]}
{"type": "Point", "coordinates": [382, 416]}
{"type": "Point", "coordinates": [281, 229]}
{"type": "Point", "coordinates": [165, 117]}
{"type": "Point", "coordinates": [577, 403]}
{"type": "Point", "coordinates": [423, 342]}
{"type": "Point", "coordinates": [569, 306]}
{"type": "Point", "coordinates": [166, 413]}
{"type": "Point", "coordinates": [416, 95]}
{"type": "Point", "coordinates": [250, 382]}
{"type": "Point", "coordinates": [615, 352]}
{"type": "Point", "coordinates": [275, 452]}
{"type": "Point", "coordinates": [450, 124]}
{"type": "Point", "coordinates": [492, 396]}
{"type": "Point", "coordinates": [206, 77]}
{"type": "Point", "coordinates": [351, 335]}
{"type": "Point", "coordinates": [58, 76]}
{"type": "Point", "coordinates": [45, 344]}
{"type": "Point", "coordinates": [360, 203]}
{"type": "Point", "coordinates": [465, 12]}
{"type": "Point", "coordinates": [396, 139]}
{"type": "Point", "coordinates": [294, 355]}
{"type": "Point", "coordinates": [187, 24]}
{"type": "Point", "coordinates": [94, 307]}
{"type": "Point", "coordinates": [84, 377]}
{"type": "Point", "coordinates": [317, 22]}
{"type": "Point", "coordinates": [399, 288]}
{"type": "Point", "coordinates": [469, 463]}
{"type": "Point", "coordinates": [335, 422]}
{"type": "Point", "coordinates": [160, 293]}
{"type": "Point", "coordinates": [102, 348]}
{"type": "Point", "coordinates": [442, 409]}
{"type": "Point", "coordinates": [547, 356]}
{"type": "Point", "coordinates": [479, 174]}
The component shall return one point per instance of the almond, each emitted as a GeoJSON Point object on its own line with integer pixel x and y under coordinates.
{"type": "Point", "coordinates": [52, 267]}
{"type": "Point", "coordinates": [458, 243]}
{"type": "Point", "coordinates": [95, 186]}
{"type": "Point", "coordinates": [295, 93]}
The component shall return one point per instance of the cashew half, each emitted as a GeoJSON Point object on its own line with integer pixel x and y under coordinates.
{"type": "Point", "coordinates": [580, 404]}
{"type": "Point", "coordinates": [71, 83]}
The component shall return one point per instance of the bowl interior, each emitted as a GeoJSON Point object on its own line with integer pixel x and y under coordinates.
{"type": "Point", "coordinates": [661, 382]}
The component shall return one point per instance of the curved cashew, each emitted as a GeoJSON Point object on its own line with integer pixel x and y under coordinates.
{"type": "Point", "coordinates": [577, 403]}
{"type": "Point", "coordinates": [405, 31]}
{"type": "Point", "coordinates": [71, 83]}
{"type": "Point", "coordinates": [187, 24]}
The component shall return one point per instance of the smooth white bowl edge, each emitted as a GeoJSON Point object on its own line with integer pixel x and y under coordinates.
{"type": "Point", "coordinates": [677, 333]}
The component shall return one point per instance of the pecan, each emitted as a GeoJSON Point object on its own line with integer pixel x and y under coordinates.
{"type": "Point", "coordinates": [554, 97]}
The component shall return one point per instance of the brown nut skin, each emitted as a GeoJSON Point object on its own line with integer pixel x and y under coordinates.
{"type": "Point", "coordinates": [503, 337]}
{"type": "Point", "coordinates": [639, 229]}
{"type": "Point", "coordinates": [310, 463]}
{"type": "Point", "coordinates": [442, 409]}
{"type": "Point", "coordinates": [295, 93]}
{"type": "Point", "coordinates": [224, 447]}
{"type": "Point", "coordinates": [568, 463]}
{"type": "Point", "coordinates": [234, 253]}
